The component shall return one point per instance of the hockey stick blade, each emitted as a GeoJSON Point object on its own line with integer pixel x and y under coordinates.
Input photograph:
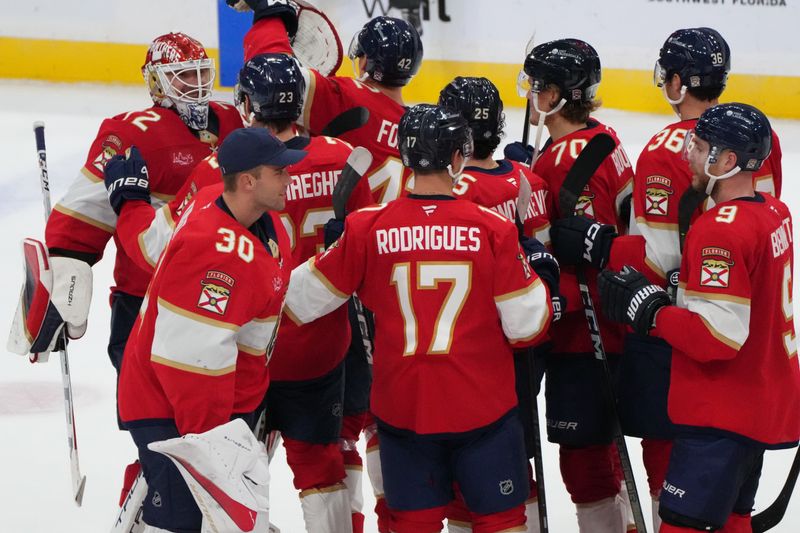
{"type": "Point", "coordinates": [357, 164]}
{"type": "Point", "coordinates": [588, 161]}
{"type": "Point", "coordinates": [772, 515]}
{"type": "Point", "coordinates": [349, 120]}
{"type": "Point", "coordinates": [523, 202]}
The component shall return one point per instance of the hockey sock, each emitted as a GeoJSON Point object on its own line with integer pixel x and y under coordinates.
{"type": "Point", "coordinates": [589, 473]}
{"type": "Point", "coordinates": [353, 466]}
{"type": "Point", "coordinates": [655, 455]}
{"type": "Point", "coordinates": [737, 523]}
{"type": "Point", "coordinates": [511, 520]}
{"type": "Point", "coordinates": [604, 516]}
{"type": "Point", "coordinates": [422, 521]}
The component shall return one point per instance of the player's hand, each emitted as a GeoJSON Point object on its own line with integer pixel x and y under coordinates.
{"type": "Point", "coordinates": [578, 238]}
{"type": "Point", "coordinates": [546, 267]}
{"type": "Point", "coordinates": [333, 230]}
{"type": "Point", "coordinates": [519, 152]}
{"type": "Point", "coordinates": [628, 297]}
{"type": "Point", "coordinates": [285, 9]}
{"type": "Point", "coordinates": [672, 283]}
{"type": "Point", "coordinates": [127, 179]}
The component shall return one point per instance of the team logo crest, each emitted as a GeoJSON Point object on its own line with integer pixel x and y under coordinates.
{"type": "Point", "coordinates": [658, 191]}
{"type": "Point", "coordinates": [716, 268]}
{"type": "Point", "coordinates": [111, 146]}
{"type": "Point", "coordinates": [506, 487]}
{"type": "Point", "coordinates": [584, 205]}
{"type": "Point", "coordinates": [214, 295]}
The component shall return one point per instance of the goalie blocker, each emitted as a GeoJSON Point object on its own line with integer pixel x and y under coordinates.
{"type": "Point", "coordinates": [57, 292]}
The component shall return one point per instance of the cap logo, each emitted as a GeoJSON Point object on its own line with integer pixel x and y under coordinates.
{"type": "Point", "coordinates": [576, 94]}
{"type": "Point", "coordinates": [751, 164]}
{"type": "Point", "coordinates": [694, 81]}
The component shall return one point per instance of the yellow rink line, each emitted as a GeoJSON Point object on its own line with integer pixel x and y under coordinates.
{"type": "Point", "coordinates": [84, 61]}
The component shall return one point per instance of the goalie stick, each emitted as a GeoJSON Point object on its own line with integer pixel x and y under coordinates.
{"type": "Point", "coordinates": [589, 160]}
{"type": "Point", "coordinates": [357, 164]}
{"type": "Point", "coordinates": [349, 120]}
{"type": "Point", "coordinates": [772, 515]}
{"type": "Point", "coordinates": [523, 202]}
{"type": "Point", "coordinates": [78, 481]}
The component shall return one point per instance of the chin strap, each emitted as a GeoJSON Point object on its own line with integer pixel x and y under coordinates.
{"type": "Point", "coordinates": [674, 103]}
{"type": "Point", "coordinates": [455, 175]}
{"type": "Point", "coordinates": [712, 179]}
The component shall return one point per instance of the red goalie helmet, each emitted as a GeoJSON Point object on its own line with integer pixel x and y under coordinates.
{"type": "Point", "coordinates": [180, 74]}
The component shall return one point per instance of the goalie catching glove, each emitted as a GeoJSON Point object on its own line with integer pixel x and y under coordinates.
{"type": "Point", "coordinates": [628, 297]}
{"type": "Point", "coordinates": [57, 292]}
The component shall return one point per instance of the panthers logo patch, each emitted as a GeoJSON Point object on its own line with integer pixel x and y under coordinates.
{"type": "Point", "coordinates": [657, 195]}
{"type": "Point", "coordinates": [716, 267]}
{"type": "Point", "coordinates": [214, 295]}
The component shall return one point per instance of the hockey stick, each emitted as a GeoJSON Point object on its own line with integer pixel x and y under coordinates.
{"type": "Point", "coordinates": [589, 160]}
{"type": "Point", "coordinates": [78, 481]}
{"type": "Point", "coordinates": [349, 120]}
{"type": "Point", "coordinates": [772, 515]}
{"type": "Point", "coordinates": [357, 164]}
{"type": "Point", "coordinates": [523, 202]}
{"type": "Point", "coordinates": [687, 205]}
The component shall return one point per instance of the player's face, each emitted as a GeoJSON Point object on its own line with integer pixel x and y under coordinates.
{"type": "Point", "coordinates": [697, 154]}
{"type": "Point", "coordinates": [269, 189]}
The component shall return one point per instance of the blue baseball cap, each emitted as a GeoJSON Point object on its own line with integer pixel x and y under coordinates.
{"type": "Point", "coordinates": [247, 148]}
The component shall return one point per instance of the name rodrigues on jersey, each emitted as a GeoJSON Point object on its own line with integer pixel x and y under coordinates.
{"type": "Point", "coordinates": [312, 184]}
{"type": "Point", "coordinates": [428, 238]}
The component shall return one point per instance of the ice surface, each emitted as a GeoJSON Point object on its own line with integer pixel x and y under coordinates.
{"type": "Point", "coordinates": [35, 484]}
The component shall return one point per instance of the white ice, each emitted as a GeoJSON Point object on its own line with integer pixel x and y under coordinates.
{"type": "Point", "coordinates": [35, 494]}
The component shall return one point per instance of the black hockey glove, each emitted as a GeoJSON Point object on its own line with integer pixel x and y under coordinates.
{"type": "Point", "coordinates": [628, 297]}
{"type": "Point", "coordinates": [333, 230]}
{"type": "Point", "coordinates": [126, 179]}
{"type": "Point", "coordinates": [578, 238]}
{"type": "Point", "coordinates": [285, 9]}
{"type": "Point", "coordinates": [519, 152]}
{"type": "Point", "coordinates": [546, 267]}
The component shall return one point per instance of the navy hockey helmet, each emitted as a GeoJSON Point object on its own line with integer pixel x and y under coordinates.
{"type": "Point", "coordinates": [741, 128]}
{"type": "Point", "coordinates": [274, 85]}
{"type": "Point", "coordinates": [570, 64]}
{"type": "Point", "coordinates": [393, 50]}
{"type": "Point", "coordinates": [700, 56]}
{"type": "Point", "coordinates": [478, 101]}
{"type": "Point", "coordinates": [430, 134]}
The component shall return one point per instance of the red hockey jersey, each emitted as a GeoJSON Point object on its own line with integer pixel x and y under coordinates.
{"type": "Point", "coordinates": [198, 352]}
{"type": "Point", "coordinates": [734, 363]}
{"type": "Point", "coordinates": [451, 292]}
{"type": "Point", "coordinates": [662, 176]}
{"type": "Point", "coordinates": [327, 97]}
{"type": "Point", "coordinates": [498, 189]}
{"type": "Point", "coordinates": [601, 200]}
{"type": "Point", "coordinates": [298, 354]}
{"type": "Point", "coordinates": [83, 221]}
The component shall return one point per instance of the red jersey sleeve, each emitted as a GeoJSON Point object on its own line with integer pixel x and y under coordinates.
{"type": "Point", "coordinates": [712, 318]}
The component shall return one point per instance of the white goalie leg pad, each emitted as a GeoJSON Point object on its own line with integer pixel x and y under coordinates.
{"type": "Point", "coordinates": [604, 516]}
{"type": "Point", "coordinates": [227, 471]}
{"type": "Point", "coordinates": [129, 519]}
{"type": "Point", "coordinates": [654, 507]}
{"type": "Point", "coordinates": [56, 291]}
{"type": "Point", "coordinates": [353, 480]}
{"type": "Point", "coordinates": [532, 516]}
{"type": "Point", "coordinates": [327, 510]}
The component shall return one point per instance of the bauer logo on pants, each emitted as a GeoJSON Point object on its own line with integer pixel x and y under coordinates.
{"type": "Point", "coordinates": [716, 267]}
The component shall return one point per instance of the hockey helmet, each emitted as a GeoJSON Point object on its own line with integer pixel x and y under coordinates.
{"type": "Point", "coordinates": [429, 135]}
{"type": "Point", "coordinates": [478, 101]}
{"type": "Point", "coordinates": [570, 64]}
{"type": "Point", "coordinates": [393, 50]}
{"type": "Point", "coordinates": [274, 85]}
{"type": "Point", "coordinates": [700, 56]}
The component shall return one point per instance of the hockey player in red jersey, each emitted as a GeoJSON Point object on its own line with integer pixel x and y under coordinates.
{"type": "Point", "coordinates": [452, 293]}
{"type": "Point", "coordinates": [198, 353]}
{"type": "Point", "coordinates": [733, 314]}
{"type": "Point", "coordinates": [561, 78]}
{"type": "Point", "coordinates": [495, 184]}
{"type": "Point", "coordinates": [305, 397]}
{"type": "Point", "coordinates": [181, 128]}
{"type": "Point", "coordinates": [386, 55]}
